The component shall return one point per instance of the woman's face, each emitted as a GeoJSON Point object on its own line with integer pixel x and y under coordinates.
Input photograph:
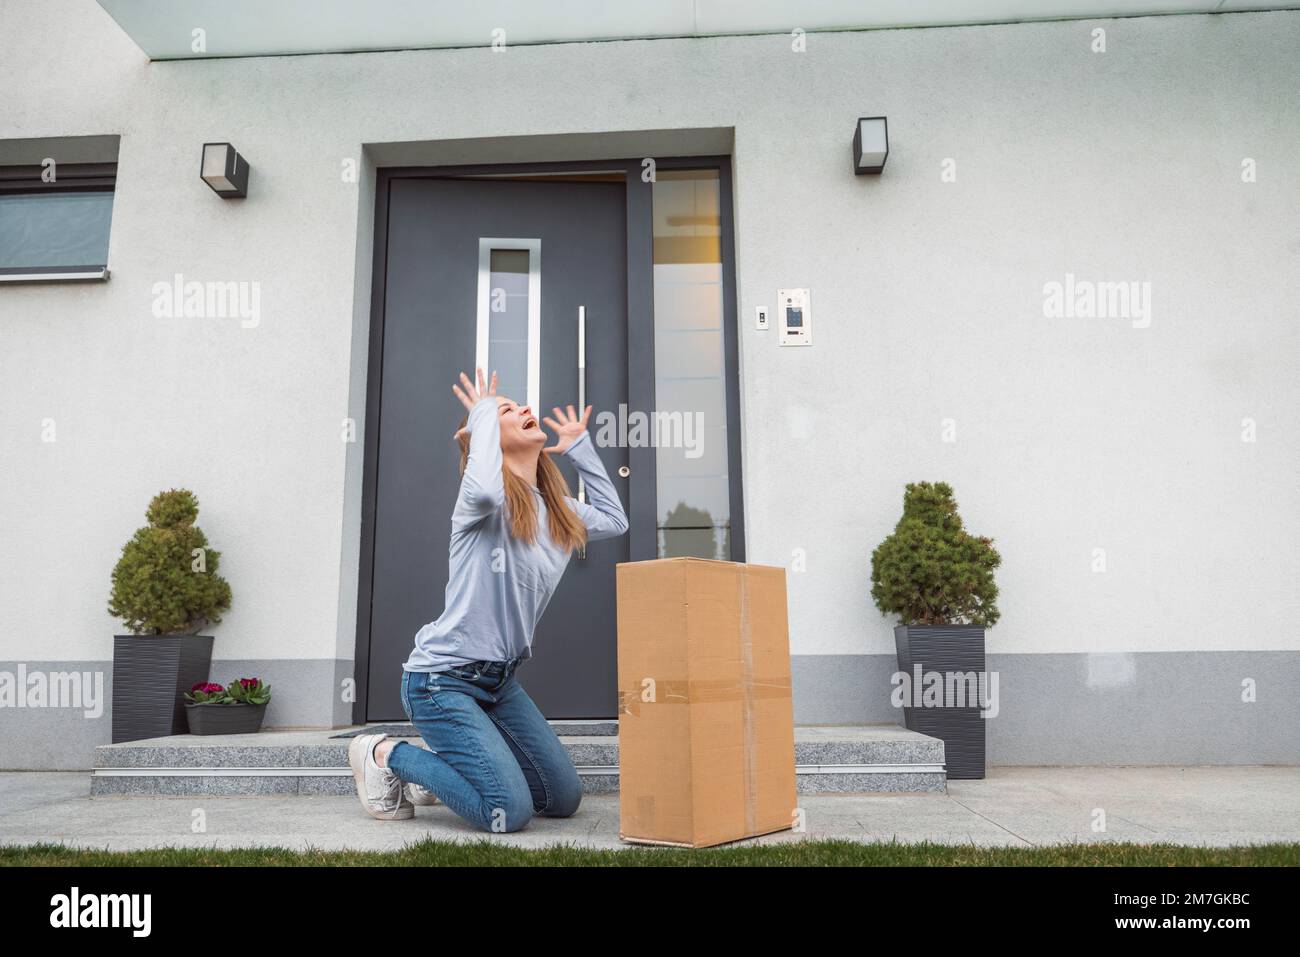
{"type": "Point", "coordinates": [520, 431]}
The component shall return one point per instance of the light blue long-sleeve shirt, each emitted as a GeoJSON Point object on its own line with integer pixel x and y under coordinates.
{"type": "Point", "coordinates": [498, 586]}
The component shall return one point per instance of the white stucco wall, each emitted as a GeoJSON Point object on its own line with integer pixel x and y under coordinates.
{"type": "Point", "coordinates": [1072, 434]}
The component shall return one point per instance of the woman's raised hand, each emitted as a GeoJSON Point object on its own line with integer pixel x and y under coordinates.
{"type": "Point", "coordinates": [568, 428]}
{"type": "Point", "coordinates": [469, 395]}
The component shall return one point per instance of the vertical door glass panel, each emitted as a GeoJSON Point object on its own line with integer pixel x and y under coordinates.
{"type": "Point", "coordinates": [693, 488]}
{"type": "Point", "coordinates": [509, 315]}
{"type": "Point", "coordinates": [508, 322]}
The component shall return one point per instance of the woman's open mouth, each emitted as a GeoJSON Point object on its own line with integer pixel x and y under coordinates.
{"type": "Point", "coordinates": [529, 424]}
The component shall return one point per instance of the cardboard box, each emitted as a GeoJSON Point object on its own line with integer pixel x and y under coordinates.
{"type": "Point", "coordinates": [706, 720]}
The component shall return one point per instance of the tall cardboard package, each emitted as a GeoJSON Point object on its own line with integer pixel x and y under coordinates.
{"type": "Point", "coordinates": [706, 720]}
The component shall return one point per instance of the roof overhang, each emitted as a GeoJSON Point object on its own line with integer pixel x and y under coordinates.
{"type": "Point", "coordinates": [165, 29]}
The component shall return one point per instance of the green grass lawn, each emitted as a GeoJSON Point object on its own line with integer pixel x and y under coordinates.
{"type": "Point", "coordinates": [429, 853]}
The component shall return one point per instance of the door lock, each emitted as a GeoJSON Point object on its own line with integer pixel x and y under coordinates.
{"type": "Point", "coordinates": [624, 471]}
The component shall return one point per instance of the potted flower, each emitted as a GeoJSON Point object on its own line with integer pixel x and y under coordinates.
{"type": "Point", "coordinates": [166, 590]}
{"type": "Point", "coordinates": [938, 580]}
{"type": "Point", "coordinates": [237, 709]}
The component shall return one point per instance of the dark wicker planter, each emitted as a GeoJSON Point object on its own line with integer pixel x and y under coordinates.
{"type": "Point", "coordinates": [946, 648]}
{"type": "Point", "coordinates": [150, 673]}
{"type": "Point", "coordinates": [225, 718]}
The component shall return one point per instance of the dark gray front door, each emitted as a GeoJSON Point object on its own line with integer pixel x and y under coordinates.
{"type": "Point", "coordinates": [546, 250]}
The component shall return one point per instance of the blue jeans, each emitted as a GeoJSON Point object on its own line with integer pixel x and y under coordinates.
{"type": "Point", "coordinates": [492, 758]}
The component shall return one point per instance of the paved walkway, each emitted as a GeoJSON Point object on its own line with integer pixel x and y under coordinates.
{"type": "Point", "coordinates": [1215, 806]}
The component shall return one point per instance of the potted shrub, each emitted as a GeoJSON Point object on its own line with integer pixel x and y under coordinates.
{"type": "Point", "coordinates": [166, 589]}
{"type": "Point", "coordinates": [938, 579]}
{"type": "Point", "coordinates": [237, 709]}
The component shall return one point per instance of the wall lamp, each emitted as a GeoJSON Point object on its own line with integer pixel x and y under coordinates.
{"type": "Point", "coordinates": [224, 170]}
{"type": "Point", "coordinates": [870, 145]}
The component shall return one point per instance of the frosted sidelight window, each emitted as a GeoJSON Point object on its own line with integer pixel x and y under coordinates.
{"type": "Point", "coordinates": [694, 514]}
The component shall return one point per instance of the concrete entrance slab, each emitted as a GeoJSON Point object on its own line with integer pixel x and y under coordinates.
{"type": "Point", "coordinates": [1208, 806]}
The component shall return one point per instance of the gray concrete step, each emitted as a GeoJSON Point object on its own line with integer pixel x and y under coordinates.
{"type": "Point", "coordinates": [859, 758]}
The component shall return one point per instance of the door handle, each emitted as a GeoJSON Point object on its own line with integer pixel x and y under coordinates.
{"type": "Point", "coordinates": [582, 396]}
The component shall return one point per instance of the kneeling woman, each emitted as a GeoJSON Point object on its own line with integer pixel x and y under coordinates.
{"type": "Point", "coordinates": [493, 758]}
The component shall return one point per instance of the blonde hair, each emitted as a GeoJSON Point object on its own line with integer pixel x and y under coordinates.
{"type": "Point", "coordinates": [563, 523]}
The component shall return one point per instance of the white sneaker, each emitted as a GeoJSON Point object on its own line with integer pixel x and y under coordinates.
{"type": "Point", "coordinates": [419, 796]}
{"type": "Point", "coordinates": [380, 789]}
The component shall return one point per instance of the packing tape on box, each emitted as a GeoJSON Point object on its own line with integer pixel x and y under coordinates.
{"type": "Point", "coordinates": [748, 689]}
{"type": "Point", "coordinates": [631, 700]}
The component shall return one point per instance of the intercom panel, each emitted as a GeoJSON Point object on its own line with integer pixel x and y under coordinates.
{"type": "Point", "coordinates": [794, 317]}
